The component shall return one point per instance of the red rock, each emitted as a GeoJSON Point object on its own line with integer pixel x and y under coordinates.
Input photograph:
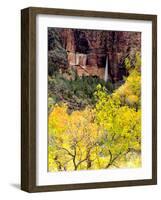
{"type": "Point", "coordinates": [92, 59]}
{"type": "Point", "coordinates": [96, 46]}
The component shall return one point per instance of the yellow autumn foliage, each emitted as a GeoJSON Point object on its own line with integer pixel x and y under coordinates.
{"type": "Point", "coordinates": [78, 141]}
{"type": "Point", "coordinates": [73, 139]}
{"type": "Point", "coordinates": [105, 136]}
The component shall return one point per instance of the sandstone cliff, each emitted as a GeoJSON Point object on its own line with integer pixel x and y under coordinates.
{"type": "Point", "coordinates": [88, 50]}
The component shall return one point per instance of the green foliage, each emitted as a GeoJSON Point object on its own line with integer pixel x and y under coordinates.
{"type": "Point", "coordinates": [127, 64]}
{"type": "Point", "coordinates": [76, 91]}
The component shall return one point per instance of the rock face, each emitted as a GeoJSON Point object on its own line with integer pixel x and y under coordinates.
{"type": "Point", "coordinates": [57, 55]}
{"type": "Point", "coordinates": [87, 50]}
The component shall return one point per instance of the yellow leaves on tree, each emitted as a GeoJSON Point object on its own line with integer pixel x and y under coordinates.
{"type": "Point", "coordinates": [92, 140]}
{"type": "Point", "coordinates": [73, 139]}
{"type": "Point", "coordinates": [108, 135]}
{"type": "Point", "coordinates": [130, 92]}
{"type": "Point", "coordinates": [120, 115]}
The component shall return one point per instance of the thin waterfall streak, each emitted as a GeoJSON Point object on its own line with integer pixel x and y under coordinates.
{"type": "Point", "coordinates": [106, 70]}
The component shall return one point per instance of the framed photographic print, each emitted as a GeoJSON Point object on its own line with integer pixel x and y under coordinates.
{"type": "Point", "coordinates": [89, 99]}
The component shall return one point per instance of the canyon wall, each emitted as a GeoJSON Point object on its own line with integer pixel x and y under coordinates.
{"type": "Point", "coordinates": [87, 50]}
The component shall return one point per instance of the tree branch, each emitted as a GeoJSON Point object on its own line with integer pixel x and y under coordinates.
{"type": "Point", "coordinates": [66, 151]}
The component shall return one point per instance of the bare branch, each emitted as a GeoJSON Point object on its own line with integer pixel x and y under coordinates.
{"type": "Point", "coordinates": [66, 151]}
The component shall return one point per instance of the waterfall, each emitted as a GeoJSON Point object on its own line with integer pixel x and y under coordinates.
{"type": "Point", "coordinates": [106, 70]}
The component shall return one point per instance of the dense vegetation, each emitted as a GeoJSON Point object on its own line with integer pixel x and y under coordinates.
{"type": "Point", "coordinates": [76, 91]}
{"type": "Point", "coordinates": [93, 127]}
